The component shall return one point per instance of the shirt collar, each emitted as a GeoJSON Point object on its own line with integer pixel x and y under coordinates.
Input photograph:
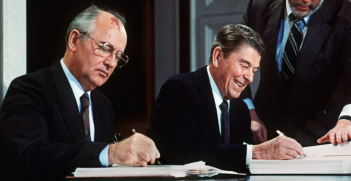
{"type": "Point", "coordinates": [215, 91]}
{"type": "Point", "coordinates": [77, 89]}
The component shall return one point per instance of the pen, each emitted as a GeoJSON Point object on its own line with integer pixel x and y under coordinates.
{"type": "Point", "coordinates": [157, 160]}
{"type": "Point", "coordinates": [282, 134]}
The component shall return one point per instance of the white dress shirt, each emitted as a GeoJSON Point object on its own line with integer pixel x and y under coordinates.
{"type": "Point", "coordinates": [78, 91]}
{"type": "Point", "coordinates": [218, 101]}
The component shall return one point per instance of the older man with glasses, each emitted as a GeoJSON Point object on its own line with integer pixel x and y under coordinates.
{"type": "Point", "coordinates": [54, 120]}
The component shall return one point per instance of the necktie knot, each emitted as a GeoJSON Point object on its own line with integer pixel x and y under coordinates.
{"type": "Point", "coordinates": [293, 18]}
{"type": "Point", "coordinates": [224, 106]}
{"type": "Point", "coordinates": [297, 21]}
{"type": "Point", "coordinates": [84, 100]}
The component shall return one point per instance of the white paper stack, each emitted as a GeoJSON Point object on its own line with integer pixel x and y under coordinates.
{"type": "Point", "coordinates": [322, 159]}
{"type": "Point", "coordinates": [303, 166]}
{"type": "Point", "coordinates": [196, 168]}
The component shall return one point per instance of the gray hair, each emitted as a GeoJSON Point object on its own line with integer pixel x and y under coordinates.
{"type": "Point", "coordinates": [232, 37]}
{"type": "Point", "coordinates": [85, 21]}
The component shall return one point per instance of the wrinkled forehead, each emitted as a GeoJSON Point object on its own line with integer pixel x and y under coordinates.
{"type": "Point", "coordinates": [110, 29]}
{"type": "Point", "coordinates": [106, 21]}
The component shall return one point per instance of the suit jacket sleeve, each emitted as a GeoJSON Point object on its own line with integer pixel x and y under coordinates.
{"type": "Point", "coordinates": [34, 137]}
{"type": "Point", "coordinates": [245, 19]}
{"type": "Point", "coordinates": [346, 55]}
{"type": "Point", "coordinates": [180, 131]}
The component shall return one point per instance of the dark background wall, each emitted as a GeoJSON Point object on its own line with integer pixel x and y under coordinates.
{"type": "Point", "coordinates": [131, 88]}
{"type": "Point", "coordinates": [180, 29]}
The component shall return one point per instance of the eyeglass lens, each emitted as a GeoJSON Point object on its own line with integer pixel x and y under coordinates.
{"type": "Point", "coordinates": [107, 50]}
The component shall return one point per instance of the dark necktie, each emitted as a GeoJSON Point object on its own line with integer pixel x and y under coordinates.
{"type": "Point", "coordinates": [291, 50]}
{"type": "Point", "coordinates": [84, 111]}
{"type": "Point", "coordinates": [225, 122]}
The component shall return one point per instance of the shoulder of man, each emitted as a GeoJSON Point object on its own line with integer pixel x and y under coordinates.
{"type": "Point", "coordinates": [345, 11]}
{"type": "Point", "coordinates": [265, 4]}
{"type": "Point", "coordinates": [34, 79]}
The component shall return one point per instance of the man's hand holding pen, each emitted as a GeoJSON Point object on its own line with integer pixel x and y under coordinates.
{"type": "Point", "coordinates": [137, 149]}
{"type": "Point", "coordinates": [279, 148]}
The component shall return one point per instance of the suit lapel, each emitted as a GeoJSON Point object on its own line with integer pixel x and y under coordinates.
{"type": "Point", "coordinates": [318, 31]}
{"type": "Point", "coordinates": [100, 118]}
{"type": "Point", "coordinates": [69, 110]}
{"type": "Point", "coordinates": [208, 108]}
{"type": "Point", "coordinates": [270, 37]}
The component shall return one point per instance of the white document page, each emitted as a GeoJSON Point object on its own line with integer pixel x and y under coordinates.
{"type": "Point", "coordinates": [320, 159]}
{"type": "Point", "coordinates": [192, 169]}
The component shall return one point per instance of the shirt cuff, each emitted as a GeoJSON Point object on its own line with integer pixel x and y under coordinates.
{"type": "Point", "coordinates": [249, 103]}
{"type": "Point", "coordinates": [104, 156]}
{"type": "Point", "coordinates": [248, 154]}
{"type": "Point", "coordinates": [346, 111]}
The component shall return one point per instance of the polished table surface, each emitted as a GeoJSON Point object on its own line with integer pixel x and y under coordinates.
{"type": "Point", "coordinates": [223, 177]}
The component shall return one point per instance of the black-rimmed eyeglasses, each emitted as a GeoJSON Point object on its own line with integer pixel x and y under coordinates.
{"type": "Point", "coordinates": [107, 49]}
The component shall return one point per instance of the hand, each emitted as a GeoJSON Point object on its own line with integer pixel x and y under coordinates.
{"type": "Point", "coordinates": [279, 148]}
{"type": "Point", "coordinates": [340, 133]}
{"type": "Point", "coordinates": [258, 129]}
{"type": "Point", "coordinates": [137, 149]}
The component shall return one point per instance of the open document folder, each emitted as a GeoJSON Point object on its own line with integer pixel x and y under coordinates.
{"type": "Point", "coordinates": [191, 169]}
{"type": "Point", "coordinates": [321, 159]}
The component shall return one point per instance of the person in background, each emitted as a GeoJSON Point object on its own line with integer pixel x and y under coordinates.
{"type": "Point", "coordinates": [305, 86]}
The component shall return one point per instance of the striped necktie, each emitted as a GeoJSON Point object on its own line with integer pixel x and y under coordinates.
{"type": "Point", "coordinates": [291, 50]}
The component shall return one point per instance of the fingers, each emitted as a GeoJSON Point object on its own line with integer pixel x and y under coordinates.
{"type": "Point", "coordinates": [137, 149]}
{"type": "Point", "coordinates": [255, 131]}
{"type": "Point", "coordinates": [286, 154]}
{"type": "Point", "coordinates": [259, 132]}
{"type": "Point", "coordinates": [323, 139]}
{"type": "Point", "coordinates": [341, 137]}
{"type": "Point", "coordinates": [344, 137]}
{"type": "Point", "coordinates": [146, 149]}
{"type": "Point", "coordinates": [338, 137]}
{"type": "Point", "coordinates": [257, 137]}
{"type": "Point", "coordinates": [151, 146]}
{"type": "Point", "coordinates": [334, 137]}
{"type": "Point", "coordinates": [142, 162]}
{"type": "Point", "coordinates": [279, 148]}
{"type": "Point", "coordinates": [146, 154]}
{"type": "Point", "coordinates": [339, 134]}
{"type": "Point", "coordinates": [295, 149]}
{"type": "Point", "coordinates": [264, 134]}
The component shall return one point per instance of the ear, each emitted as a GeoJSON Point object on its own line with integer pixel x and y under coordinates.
{"type": "Point", "coordinates": [217, 56]}
{"type": "Point", "coordinates": [73, 39]}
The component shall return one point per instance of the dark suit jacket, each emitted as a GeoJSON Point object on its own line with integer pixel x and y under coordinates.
{"type": "Point", "coordinates": [184, 124]}
{"type": "Point", "coordinates": [42, 132]}
{"type": "Point", "coordinates": [322, 82]}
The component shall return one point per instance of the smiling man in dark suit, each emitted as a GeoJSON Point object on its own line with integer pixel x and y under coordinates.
{"type": "Point", "coordinates": [306, 95]}
{"type": "Point", "coordinates": [54, 120]}
{"type": "Point", "coordinates": [197, 116]}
